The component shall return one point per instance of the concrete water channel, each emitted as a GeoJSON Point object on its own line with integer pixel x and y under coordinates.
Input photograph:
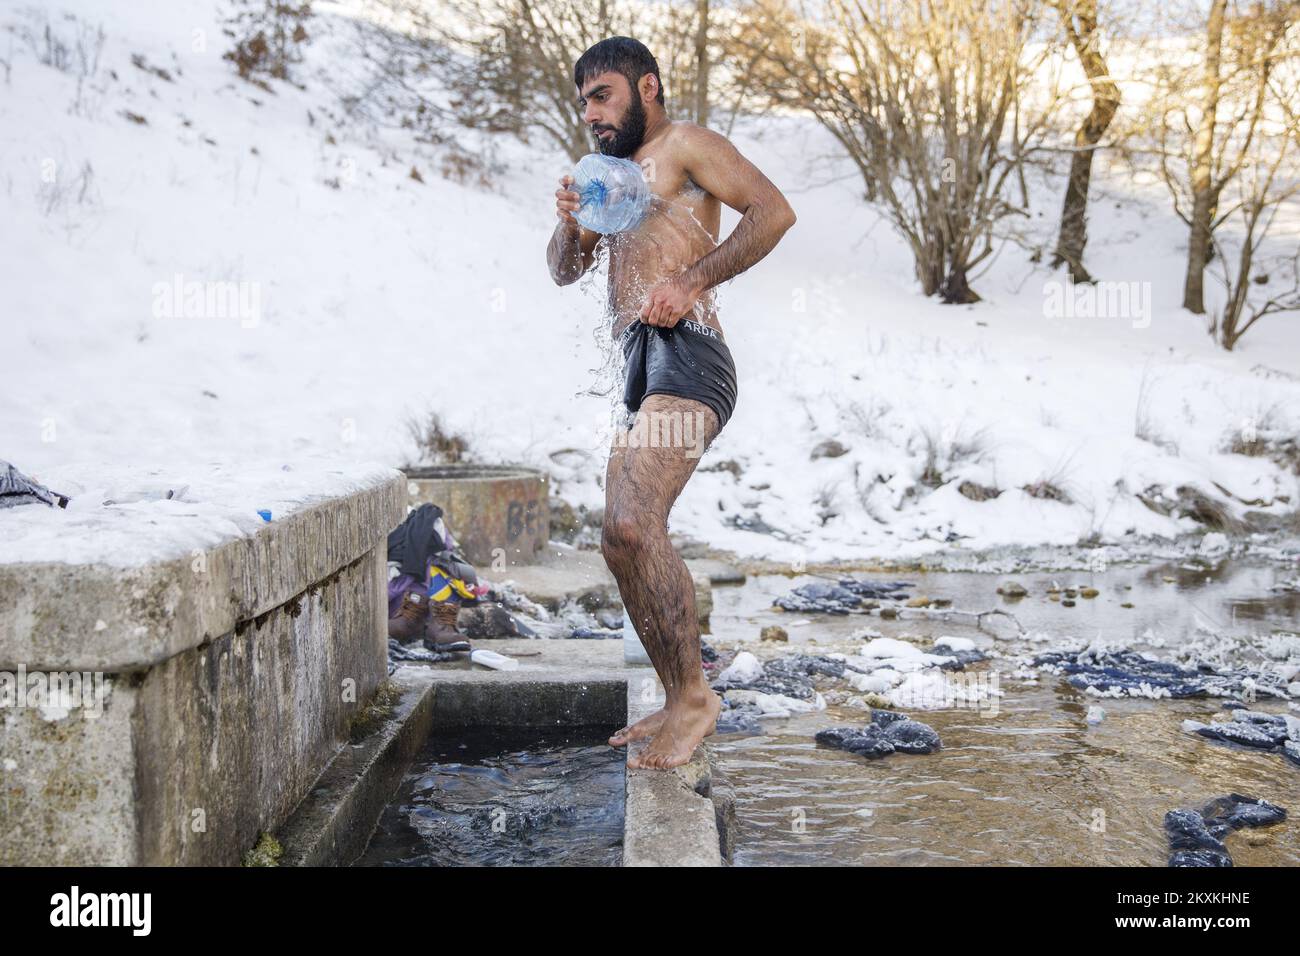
{"type": "Point", "coordinates": [583, 687]}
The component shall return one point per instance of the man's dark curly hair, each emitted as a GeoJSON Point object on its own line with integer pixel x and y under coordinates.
{"type": "Point", "coordinates": [622, 55]}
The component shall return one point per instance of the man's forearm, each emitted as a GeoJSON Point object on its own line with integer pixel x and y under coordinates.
{"type": "Point", "coordinates": [757, 233]}
{"type": "Point", "coordinates": [564, 254]}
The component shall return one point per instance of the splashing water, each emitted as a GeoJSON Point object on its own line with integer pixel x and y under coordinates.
{"type": "Point", "coordinates": [491, 796]}
{"type": "Point", "coordinates": [669, 240]}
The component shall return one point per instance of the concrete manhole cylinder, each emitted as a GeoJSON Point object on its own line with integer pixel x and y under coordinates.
{"type": "Point", "coordinates": [494, 511]}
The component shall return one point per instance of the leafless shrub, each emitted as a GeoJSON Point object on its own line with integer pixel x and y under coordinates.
{"type": "Point", "coordinates": [57, 194]}
{"type": "Point", "coordinates": [1053, 485]}
{"type": "Point", "coordinates": [944, 449]}
{"type": "Point", "coordinates": [825, 500]}
{"type": "Point", "coordinates": [75, 49]}
{"type": "Point", "coordinates": [1264, 435]}
{"type": "Point", "coordinates": [434, 443]}
{"type": "Point", "coordinates": [268, 35]}
{"type": "Point", "coordinates": [863, 488]}
{"type": "Point", "coordinates": [1144, 426]}
{"type": "Point", "coordinates": [866, 420]}
{"type": "Point", "coordinates": [141, 62]}
{"type": "Point", "coordinates": [1046, 490]}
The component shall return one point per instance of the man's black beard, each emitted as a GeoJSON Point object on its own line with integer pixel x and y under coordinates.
{"type": "Point", "coordinates": [628, 137]}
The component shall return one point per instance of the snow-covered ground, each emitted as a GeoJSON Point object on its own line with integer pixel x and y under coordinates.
{"type": "Point", "coordinates": [369, 298]}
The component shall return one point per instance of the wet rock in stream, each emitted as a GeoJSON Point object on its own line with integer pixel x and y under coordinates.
{"type": "Point", "coordinates": [888, 732]}
{"type": "Point", "coordinates": [1196, 836]}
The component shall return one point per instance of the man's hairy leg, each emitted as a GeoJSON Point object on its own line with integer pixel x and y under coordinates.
{"type": "Point", "coordinates": [648, 725]}
{"type": "Point", "coordinates": [658, 593]}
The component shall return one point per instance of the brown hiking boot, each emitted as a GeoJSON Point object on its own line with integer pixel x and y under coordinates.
{"type": "Point", "coordinates": [440, 633]}
{"type": "Point", "coordinates": [411, 619]}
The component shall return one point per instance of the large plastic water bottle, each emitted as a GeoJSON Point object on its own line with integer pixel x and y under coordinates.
{"type": "Point", "coordinates": [613, 193]}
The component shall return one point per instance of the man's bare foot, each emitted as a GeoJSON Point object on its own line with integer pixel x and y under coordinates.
{"type": "Point", "coordinates": [643, 728]}
{"type": "Point", "coordinates": [685, 725]}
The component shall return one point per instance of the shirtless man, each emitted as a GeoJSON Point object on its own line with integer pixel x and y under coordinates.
{"type": "Point", "coordinates": [678, 368]}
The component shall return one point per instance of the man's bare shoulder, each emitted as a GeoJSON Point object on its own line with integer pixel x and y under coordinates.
{"type": "Point", "coordinates": [696, 139]}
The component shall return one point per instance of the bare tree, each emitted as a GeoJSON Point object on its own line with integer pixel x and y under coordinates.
{"type": "Point", "coordinates": [510, 63]}
{"type": "Point", "coordinates": [702, 62]}
{"type": "Point", "coordinates": [1079, 18]}
{"type": "Point", "coordinates": [1264, 188]}
{"type": "Point", "coordinates": [929, 100]}
{"type": "Point", "coordinates": [1205, 191]}
{"type": "Point", "coordinates": [1214, 121]}
{"type": "Point", "coordinates": [507, 65]}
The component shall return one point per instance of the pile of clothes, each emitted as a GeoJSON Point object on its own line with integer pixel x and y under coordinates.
{"type": "Point", "coordinates": [17, 489]}
{"type": "Point", "coordinates": [429, 581]}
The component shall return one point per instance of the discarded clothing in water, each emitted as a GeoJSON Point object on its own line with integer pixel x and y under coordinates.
{"type": "Point", "coordinates": [960, 656]}
{"type": "Point", "coordinates": [1276, 733]}
{"type": "Point", "coordinates": [843, 597]}
{"type": "Point", "coordinates": [595, 634]}
{"type": "Point", "coordinates": [1130, 674]}
{"type": "Point", "coordinates": [1200, 858]}
{"type": "Point", "coordinates": [609, 618]}
{"type": "Point", "coordinates": [755, 524]}
{"type": "Point", "coordinates": [888, 732]}
{"type": "Point", "coordinates": [808, 665]}
{"type": "Point", "coordinates": [739, 719]}
{"type": "Point", "coordinates": [397, 651]}
{"type": "Point", "coordinates": [17, 489]}
{"type": "Point", "coordinates": [789, 676]}
{"type": "Point", "coordinates": [1196, 836]}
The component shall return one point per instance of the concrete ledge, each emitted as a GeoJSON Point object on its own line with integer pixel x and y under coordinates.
{"type": "Point", "coordinates": [670, 818]}
{"type": "Point", "coordinates": [101, 617]}
{"type": "Point", "coordinates": [335, 821]}
{"type": "Point", "coordinates": [198, 741]}
{"type": "Point", "coordinates": [193, 758]}
{"type": "Point", "coordinates": [558, 684]}
{"type": "Point", "coordinates": [532, 703]}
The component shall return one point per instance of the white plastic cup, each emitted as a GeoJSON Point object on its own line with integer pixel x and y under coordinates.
{"type": "Point", "coordinates": [498, 662]}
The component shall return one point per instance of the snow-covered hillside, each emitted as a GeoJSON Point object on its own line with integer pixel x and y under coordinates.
{"type": "Point", "coordinates": [371, 297]}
